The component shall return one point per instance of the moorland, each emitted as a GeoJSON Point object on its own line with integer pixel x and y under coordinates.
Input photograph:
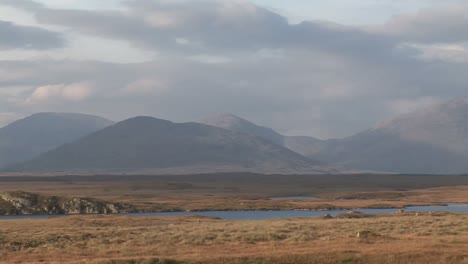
{"type": "Point", "coordinates": [400, 237]}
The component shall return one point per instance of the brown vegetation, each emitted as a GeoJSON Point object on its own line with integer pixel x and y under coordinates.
{"type": "Point", "coordinates": [249, 191]}
{"type": "Point", "coordinates": [347, 238]}
{"type": "Point", "coordinates": [399, 238]}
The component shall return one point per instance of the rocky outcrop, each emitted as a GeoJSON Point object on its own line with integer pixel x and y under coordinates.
{"type": "Point", "coordinates": [19, 203]}
{"type": "Point", "coordinates": [354, 215]}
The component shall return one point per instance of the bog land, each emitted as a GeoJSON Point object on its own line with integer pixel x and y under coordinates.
{"type": "Point", "coordinates": [403, 237]}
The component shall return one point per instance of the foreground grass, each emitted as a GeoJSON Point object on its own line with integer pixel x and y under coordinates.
{"type": "Point", "coordinates": [403, 238]}
{"type": "Point", "coordinates": [399, 238]}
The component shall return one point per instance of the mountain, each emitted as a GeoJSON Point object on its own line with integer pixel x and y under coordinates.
{"type": "Point", "coordinates": [301, 144]}
{"type": "Point", "coordinates": [235, 123]}
{"type": "Point", "coordinates": [147, 144]}
{"type": "Point", "coordinates": [304, 145]}
{"type": "Point", "coordinates": [432, 140]}
{"type": "Point", "coordinates": [33, 135]}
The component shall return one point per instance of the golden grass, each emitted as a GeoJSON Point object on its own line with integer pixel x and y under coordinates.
{"type": "Point", "coordinates": [167, 196]}
{"type": "Point", "coordinates": [398, 238]}
{"type": "Point", "coordinates": [403, 238]}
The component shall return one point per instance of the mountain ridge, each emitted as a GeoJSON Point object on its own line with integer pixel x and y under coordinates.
{"type": "Point", "coordinates": [30, 136]}
{"type": "Point", "coordinates": [429, 140]}
{"type": "Point", "coordinates": [300, 144]}
{"type": "Point", "coordinates": [145, 143]}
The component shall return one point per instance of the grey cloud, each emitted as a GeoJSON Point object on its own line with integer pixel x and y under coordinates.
{"type": "Point", "coordinates": [285, 93]}
{"type": "Point", "coordinates": [23, 4]}
{"type": "Point", "coordinates": [216, 27]}
{"type": "Point", "coordinates": [318, 78]}
{"type": "Point", "coordinates": [14, 36]}
{"type": "Point", "coordinates": [441, 25]}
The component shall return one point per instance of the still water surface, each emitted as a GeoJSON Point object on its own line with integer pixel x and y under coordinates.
{"type": "Point", "coordinates": [262, 215]}
{"type": "Point", "coordinates": [294, 198]}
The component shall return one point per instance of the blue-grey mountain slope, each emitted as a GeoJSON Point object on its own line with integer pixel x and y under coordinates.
{"type": "Point", "coordinates": [303, 145]}
{"type": "Point", "coordinates": [38, 133]}
{"type": "Point", "coordinates": [432, 140]}
{"type": "Point", "coordinates": [146, 144]}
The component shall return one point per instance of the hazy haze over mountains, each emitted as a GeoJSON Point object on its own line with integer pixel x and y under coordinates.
{"type": "Point", "coordinates": [328, 69]}
{"type": "Point", "coordinates": [33, 135]}
{"type": "Point", "coordinates": [431, 140]}
{"type": "Point", "coordinates": [147, 144]}
{"type": "Point", "coordinates": [301, 144]}
{"type": "Point", "coordinates": [235, 123]}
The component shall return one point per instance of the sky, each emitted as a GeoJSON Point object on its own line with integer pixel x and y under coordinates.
{"type": "Point", "coordinates": [317, 68]}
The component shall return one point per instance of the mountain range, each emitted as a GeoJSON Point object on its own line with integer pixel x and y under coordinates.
{"type": "Point", "coordinates": [147, 144]}
{"type": "Point", "coordinates": [33, 135]}
{"type": "Point", "coordinates": [428, 141]}
{"type": "Point", "coordinates": [303, 145]}
{"type": "Point", "coordinates": [432, 140]}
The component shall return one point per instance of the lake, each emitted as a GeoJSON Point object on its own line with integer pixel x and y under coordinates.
{"type": "Point", "coordinates": [294, 198]}
{"type": "Point", "coordinates": [262, 215]}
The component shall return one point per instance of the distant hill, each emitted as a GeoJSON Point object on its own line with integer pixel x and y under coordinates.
{"type": "Point", "coordinates": [301, 144]}
{"type": "Point", "coordinates": [429, 141]}
{"type": "Point", "coordinates": [235, 123]}
{"type": "Point", "coordinates": [38, 133]}
{"type": "Point", "coordinates": [150, 144]}
{"type": "Point", "coordinates": [432, 140]}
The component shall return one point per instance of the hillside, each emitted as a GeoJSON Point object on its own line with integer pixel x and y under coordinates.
{"type": "Point", "coordinates": [149, 144]}
{"type": "Point", "coordinates": [38, 133]}
{"type": "Point", "coordinates": [432, 140]}
{"type": "Point", "coordinates": [303, 145]}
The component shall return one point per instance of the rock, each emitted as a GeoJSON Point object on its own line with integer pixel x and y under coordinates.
{"type": "Point", "coordinates": [366, 234]}
{"type": "Point", "coordinates": [353, 215]}
{"type": "Point", "coordinates": [19, 203]}
{"type": "Point", "coordinates": [327, 216]}
{"type": "Point", "coordinates": [400, 211]}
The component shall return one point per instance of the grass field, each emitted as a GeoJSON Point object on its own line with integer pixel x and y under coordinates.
{"type": "Point", "coordinates": [249, 191]}
{"type": "Point", "coordinates": [396, 238]}
{"type": "Point", "coordinates": [403, 238]}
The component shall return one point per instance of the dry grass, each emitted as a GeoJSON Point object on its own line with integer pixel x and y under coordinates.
{"type": "Point", "coordinates": [402, 238]}
{"type": "Point", "coordinates": [183, 193]}
{"type": "Point", "coordinates": [399, 238]}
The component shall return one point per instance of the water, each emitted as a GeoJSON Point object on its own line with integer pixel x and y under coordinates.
{"type": "Point", "coordinates": [263, 215]}
{"type": "Point", "coordinates": [452, 208]}
{"type": "Point", "coordinates": [296, 198]}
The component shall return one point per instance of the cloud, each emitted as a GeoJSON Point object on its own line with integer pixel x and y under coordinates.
{"type": "Point", "coordinates": [28, 5]}
{"type": "Point", "coordinates": [14, 36]}
{"type": "Point", "coordinates": [68, 92]}
{"type": "Point", "coordinates": [203, 27]}
{"type": "Point", "coordinates": [145, 87]}
{"type": "Point", "coordinates": [404, 106]}
{"type": "Point", "coordinates": [432, 25]}
{"type": "Point", "coordinates": [445, 52]}
{"type": "Point", "coordinates": [312, 77]}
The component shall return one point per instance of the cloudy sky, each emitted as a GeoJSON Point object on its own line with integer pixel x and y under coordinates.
{"type": "Point", "coordinates": [304, 67]}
